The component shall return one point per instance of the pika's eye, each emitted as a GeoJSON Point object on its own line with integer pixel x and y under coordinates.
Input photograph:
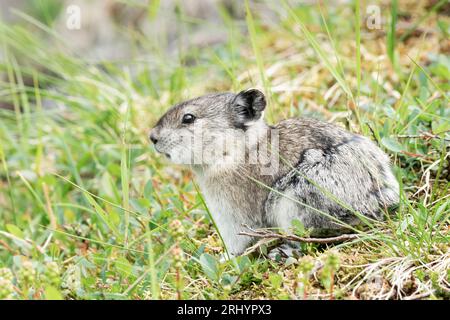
{"type": "Point", "coordinates": [188, 118]}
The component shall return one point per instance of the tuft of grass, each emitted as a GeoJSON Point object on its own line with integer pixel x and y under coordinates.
{"type": "Point", "coordinates": [391, 37]}
{"type": "Point", "coordinates": [258, 56]}
{"type": "Point", "coordinates": [80, 187]}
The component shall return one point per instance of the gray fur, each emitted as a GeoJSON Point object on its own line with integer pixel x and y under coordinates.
{"type": "Point", "coordinates": [314, 153]}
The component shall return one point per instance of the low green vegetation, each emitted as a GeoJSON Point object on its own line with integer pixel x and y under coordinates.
{"type": "Point", "coordinates": [89, 210]}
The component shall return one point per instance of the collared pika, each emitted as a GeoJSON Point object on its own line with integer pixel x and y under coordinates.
{"type": "Point", "coordinates": [266, 176]}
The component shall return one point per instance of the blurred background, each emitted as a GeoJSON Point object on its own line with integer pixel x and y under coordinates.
{"type": "Point", "coordinates": [88, 210]}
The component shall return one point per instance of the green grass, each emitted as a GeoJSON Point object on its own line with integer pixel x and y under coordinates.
{"type": "Point", "coordinates": [88, 209]}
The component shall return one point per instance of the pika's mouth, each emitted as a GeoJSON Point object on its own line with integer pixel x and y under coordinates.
{"type": "Point", "coordinates": [160, 152]}
{"type": "Point", "coordinates": [164, 153]}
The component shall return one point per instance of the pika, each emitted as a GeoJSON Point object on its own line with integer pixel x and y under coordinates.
{"type": "Point", "coordinates": [265, 176]}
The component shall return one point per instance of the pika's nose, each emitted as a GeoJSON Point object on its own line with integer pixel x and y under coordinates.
{"type": "Point", "coordinates": [153, 137]}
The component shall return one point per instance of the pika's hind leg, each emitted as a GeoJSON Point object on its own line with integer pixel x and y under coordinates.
{"type": "Point", "coordinates": [326, 192]}
{"type": "Point", "coordinates": [285, 250]}
{"type": "Point", "coordinates": [310, 207]}
{"type": "Point", "coordinates": [281, 216]}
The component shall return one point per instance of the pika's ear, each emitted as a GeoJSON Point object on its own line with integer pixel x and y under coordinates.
{"type": "Point", "coordinates": [248, 106]}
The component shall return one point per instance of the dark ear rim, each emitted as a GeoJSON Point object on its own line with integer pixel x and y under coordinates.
{"type": "Point", "coordinates": [248, 105]}
{"type": "Point", "coordinates": [253, 94]}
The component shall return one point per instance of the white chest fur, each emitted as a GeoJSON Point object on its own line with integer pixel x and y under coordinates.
{"type": "Point", "coordinates": [226, 215]}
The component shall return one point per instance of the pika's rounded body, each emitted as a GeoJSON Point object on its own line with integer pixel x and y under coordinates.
{"type": "Point", "coordinates": [267, 176]}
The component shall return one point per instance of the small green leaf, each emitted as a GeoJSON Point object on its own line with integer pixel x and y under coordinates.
{"type": "Point", "coordinates": [124, 267]}
{"type": "Point", "coordinates": [392, 144]}
{"type": "Point", "coordinates": [299, 228]}
{"type": "Point", "coordinates": [148, 189]}
{"type": "Point", "coordinates": [107, 186]}
{"type": "Point", "coordinates": [228, 279]}
{"type": "Point", "coordinates": [244, 263]}
{"type": "Point", "coordinates": [14, 230]}
{"type": "Point", "coordinates": [51, 293]}
{"type": "Point", "coordinates": [275, 280]}
{"type": "Point", "coordinates": [209, 266]}
{"type": "Point", "coordinates": [405, 223]}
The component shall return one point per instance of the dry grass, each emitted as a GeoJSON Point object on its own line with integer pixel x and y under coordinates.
{"type": "Point", "coordinates": [81, 186]}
